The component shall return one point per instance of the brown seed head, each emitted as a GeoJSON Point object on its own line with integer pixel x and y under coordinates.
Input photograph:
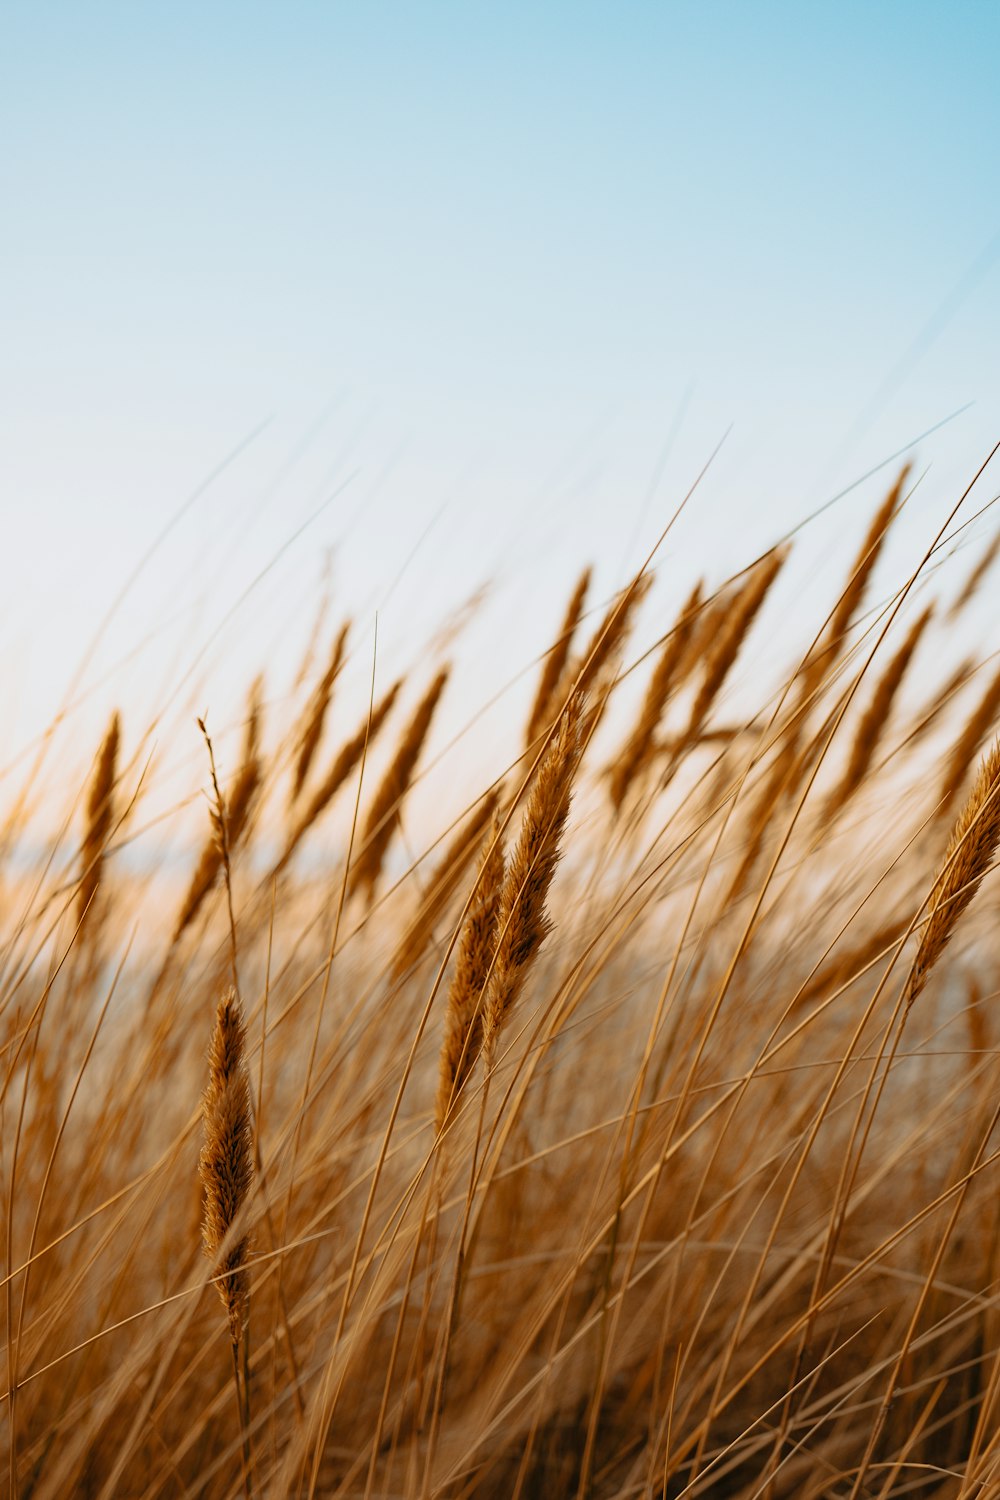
{"type": "Point", "coordinates": [312, 727]}
{"type": "Point", "coordinates": [555, 661]}
{"type": "Point", "coordinates": [384, 813]}
{"type": "Point", "coordinates": [463, 1038]}
{"type": "Point", "coordinates": [967, 858]}
{"type": "Point", "coordinates": [99, 816]}
{"type": "Point", "coordinates": [226, 1162]}
{"type": "Point", "coordinates": [522, 919]}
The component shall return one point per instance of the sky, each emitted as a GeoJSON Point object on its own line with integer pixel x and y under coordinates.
{"type": "Point", "coordinates": [401, 299]}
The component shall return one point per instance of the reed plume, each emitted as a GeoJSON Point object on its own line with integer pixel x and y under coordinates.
{"type": "Point", "coordinates": [99, 817]}
{"type": "Point", "coordinates": [344, 762]}
{"type": "Point", "coordinates": [828, 648]}
{"type": "Point", "coordinates": [733, 630]}
{"type": "Point", "coordinates": [230, 817]}
{"type": "Point", "coordinates": [610, 635]}
{"type": "Point", "coordinates": [637, 749]}
{"type": "Point", "coordinates": [226, 1163]}
{"type": "Point", "coordinates": [384, 813]}
{"type": "Point", "coordinates": [876, 715]}
{"type": "Point", "coordinates": [555, 661]}
{"type": "Point", "coordinates": [443, 881]}
{"type": "Point", "coordinates": [967, 858]}
{"type": "Point", "coordinates": [463, 1037]}
{"type": "Point", "coordinates": [312, 728]}
{"type": "Point", "coordinates": [980, 723]}
{"type": "Point", "coordinates": [522, 919]}
{"type": "Point", "coordinates": [976, 576]}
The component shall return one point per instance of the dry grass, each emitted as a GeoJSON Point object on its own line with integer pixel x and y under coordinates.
{"type": "Point", "coordinates": [653, 1154]}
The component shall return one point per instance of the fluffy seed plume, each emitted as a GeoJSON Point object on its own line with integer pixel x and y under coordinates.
{"type": "Point", "coordinates": [522, 919]}
{"type": "Point", "coordinates": [976, 577]}
{"type": "Point", "coordinates": [733, 630]}
{"type": "Point", "coordinates": [99, 816]}
{"type": "Point", "coordinates": [555, 661]}
{"type": "Point", "coordinates": [236, 807]}
{"type": "Point", "coordinates": [344, 762]}
{"type": "Point", "coordinates": [463, 1037]}
{"type": "Point", "coordinates": [226, 1163]}
{"type": "Point", "coordinates": [980, 723]}
{"type": "Point", "coordinates": [384, 813]}
{"type": "Point", "coordinates": [828, 649]}
{"type": "Point", "coordinates": [312, 727]}
{"type": "Point", "coordinates": [967, 858]}
{"type": "Point", "coordinates": [610, 635]}
{"type": "Point", "coordinates": [442, 883]}
{"type": "Point", "coordinates": [636, 750]}
{"type": "Point", "coordinates": [876, 715]}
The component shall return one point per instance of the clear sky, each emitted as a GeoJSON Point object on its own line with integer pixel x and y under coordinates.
{"type": "Point", "coordinates": [527, 262]}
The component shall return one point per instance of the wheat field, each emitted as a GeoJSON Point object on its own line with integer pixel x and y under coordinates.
{"type": "Point", "coordinates": [632, 1135]}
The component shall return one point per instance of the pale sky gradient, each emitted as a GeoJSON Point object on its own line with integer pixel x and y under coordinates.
{"type": "Point", "coordinates": [525, 262]}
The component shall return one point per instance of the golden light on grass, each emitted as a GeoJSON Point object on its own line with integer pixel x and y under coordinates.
{"type": "Point", "coordinates": [634, 1135]}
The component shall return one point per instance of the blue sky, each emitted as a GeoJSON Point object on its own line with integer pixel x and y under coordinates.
{"type": "Point", "coordinates": [500, 259]}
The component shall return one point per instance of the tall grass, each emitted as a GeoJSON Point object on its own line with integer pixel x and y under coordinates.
{"type": "Point", "coordinates": [628, 1130]}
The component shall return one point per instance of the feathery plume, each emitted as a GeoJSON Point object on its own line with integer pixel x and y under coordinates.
{"type": "Point", "coordinates": [522, 920]}
{"type": "Point", "coordinates": [226, 1162]}
{"type": "Point", "coordinates": [555, 661]}
{"type": "Point", "coordinates": [828, 648]}
{"type": "Point", "coordinates": [876, 715]}
{"type": "Point", "coordinates": [99, 816]}
{"type": "Point", "coordinates": [610, 634]}
{"type": "Point", "coordinates": [344, 762]}
{"type": "Point", "coordinates": [463, 1038]}
{"type": "Point", "coordinates": [733, 630]}
{"type": "Point", "coordinates": [967, 858]}
{"type": "Point", "coordinates": [636, 750]}
{"type": "Point", "coordinates": [976, 577]}
{"type": "Point", "coordinates": [980, 723]}
{"type": "Point", "coordinates": [236, 809]}
{"type": "Point", "coordinates": [384, 813]}
{"type": "Point", "coordinates": [443, 882]}
{"type": "Point", "coordinates": [312, 728]}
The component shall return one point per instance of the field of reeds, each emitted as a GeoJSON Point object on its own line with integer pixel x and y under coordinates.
{"type": "Point", "coordinates": [633, 1134]}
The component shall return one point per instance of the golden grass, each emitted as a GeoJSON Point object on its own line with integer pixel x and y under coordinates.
{"type": "Point", "coordinates": [651, 1154]}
